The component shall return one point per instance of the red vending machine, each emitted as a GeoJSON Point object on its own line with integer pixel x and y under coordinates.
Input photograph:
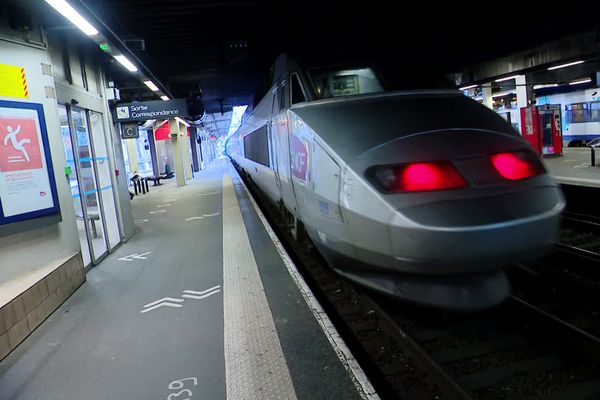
{"type": "Point", "coordinates": [541, 127]}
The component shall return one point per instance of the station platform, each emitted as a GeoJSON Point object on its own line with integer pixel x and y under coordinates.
{"type": "Point", "coordinates": [200, 304]}
{"type": "Point", "coordinates": [574, 167]}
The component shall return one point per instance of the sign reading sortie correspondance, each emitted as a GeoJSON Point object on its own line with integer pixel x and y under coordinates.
{"type": "Point", "coordinates": [27, 185]}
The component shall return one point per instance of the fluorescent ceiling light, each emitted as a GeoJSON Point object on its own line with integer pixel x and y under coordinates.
{"type": "Point", "coordinates": [165, 98]}
{"type": "Point", "coordinates": [502, 94]}
{"type": "Point", "coordinates": [126, 63]}
{"type": "Point", "coordinates": [182, 121]}
{"type": "Point", "coordinates": [566, 65]}
{"type": "Point", "coordinates": [151, 85]}
{"type": "Point", "coordinates": [72, 15]}
{"type": "Point", "coordinates": [467, 87]}
{"type": "Point", "coordinates": [580, 82]}
{"type": "Point", "coordinates": [545, 85]}
{"type": "Point", "coordinates": [507, 78]}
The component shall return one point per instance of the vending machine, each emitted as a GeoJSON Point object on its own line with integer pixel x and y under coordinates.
{"type": "Point", "coordinates": [541, 127]}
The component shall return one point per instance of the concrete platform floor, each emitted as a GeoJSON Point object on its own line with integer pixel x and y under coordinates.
{"type": "Point", "coordinates": [574, 167]}
{"type": "Point", "coordinates": [183, 310]}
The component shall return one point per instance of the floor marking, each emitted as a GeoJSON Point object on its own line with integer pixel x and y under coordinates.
{"type": "Point", "coordinates": [208, 194]}
{"type": "Point", "coordinates": [173, 386]}
{"type": "Point", "coordinates": [141, 221]}
{"type": "Point", "coordinates": [174, 302]}
{"type": "Point", "coordinates": [158, 211]}
{"type": "Point", "coordinates": [255, 367]}
{"type": "Point", "coordinates": [135, 256]}
{"type": "Point", "coordinates": [164, 302]}
{"type": "Point", "coordinates": [204, 291]}
{"type": "Point", "coordinates": [163, 205]}
{"type": "Point", "coordinates": [202, 217]}
{"type": "Point", "coordinates": [191, 296]}
{"type": "Point", "coordinates": [359, 378]}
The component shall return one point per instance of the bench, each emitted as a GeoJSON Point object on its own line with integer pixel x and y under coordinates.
{"type": "Point", "coordinates": [155, 179]}
{"type": "Point", "coordinates": [140, 185]}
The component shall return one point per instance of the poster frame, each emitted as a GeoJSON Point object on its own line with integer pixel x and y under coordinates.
{"type": "Point", "coordinates": [55, 209]}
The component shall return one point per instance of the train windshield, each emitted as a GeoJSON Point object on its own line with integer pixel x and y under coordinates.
{"type": "Point", "coordinates": [336, 82]}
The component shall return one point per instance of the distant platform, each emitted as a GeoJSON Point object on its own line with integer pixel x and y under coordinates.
{"type": "Point", "coordinates": [575, 167]}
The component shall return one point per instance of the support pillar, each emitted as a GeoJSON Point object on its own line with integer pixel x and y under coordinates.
{"type": "Point", "coordinates": [175, 133]}
{"type": "Point", "coordinates": [522, 96]}
{"type": "Point", "coordinates": [185, 150]}
{"type": "Point", "coordinates": [132, 155]}
{"type": "Point", "coordinates": [486, 92]}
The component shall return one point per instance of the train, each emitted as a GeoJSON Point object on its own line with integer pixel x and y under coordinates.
{"type": "Point", "coordinates": [580, 115]}
{"type": "Point", "coordinates": [422, 195]}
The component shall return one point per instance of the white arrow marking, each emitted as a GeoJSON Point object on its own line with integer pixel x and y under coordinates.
{"type": "Point", "coordinates": [141, 221]}
{"type": "Point", "coordinates": [208, 194]}
{"type": "Point", "coordinates": [135, 256]}
{"type": "Point", "coordinates": [193, 296]}
{"type": "Point", "coordinates": [204, 215]}
{"type": "Point", "coordinates": [165, 299]}
{"type": "Point", "coordinates": [204, 291]}
{"type": "Point", "coordinates": [164, 302]}
{"type": "Point", "coordinates": [163, 205]}
{"type": "Point", "coordinates": [158, 211]}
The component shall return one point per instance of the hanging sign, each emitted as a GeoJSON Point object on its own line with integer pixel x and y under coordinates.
{"type": "Point", "coordinates": [145, 110]}
{"type": "Point", "coordinates": [27, 186]}
{"type": "Point", "coordinates": [13, 82]}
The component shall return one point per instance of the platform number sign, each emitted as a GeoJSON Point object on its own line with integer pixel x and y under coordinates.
{"type": "Point", "coordinates": [130, 131]}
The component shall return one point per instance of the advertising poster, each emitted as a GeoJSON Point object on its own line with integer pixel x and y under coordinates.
{"type": "Point", "coordinates": [27, 187]}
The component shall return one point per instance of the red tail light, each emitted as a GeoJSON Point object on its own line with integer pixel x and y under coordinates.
{"type": "Point", "coordinates": [517, 166]}
{"type": "Point", "coordinates": [416, 177]}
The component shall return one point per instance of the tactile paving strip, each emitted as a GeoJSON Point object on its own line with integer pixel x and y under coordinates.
{"type": "Point", "coordinates": [255, 367]}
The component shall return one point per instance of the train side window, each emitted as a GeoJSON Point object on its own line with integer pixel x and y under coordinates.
{"type": "Point", "coordinates": [297, 91]}
{"type": "Point", "coordinates": [256, 146]}
{"type": "Point", "coordinates": [595, 111]}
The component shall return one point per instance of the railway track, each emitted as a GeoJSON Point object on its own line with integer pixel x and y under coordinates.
{"type": "Point", "coordinates": [526, 349]}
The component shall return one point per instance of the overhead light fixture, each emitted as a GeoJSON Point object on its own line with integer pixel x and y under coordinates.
{"type": "Point", "coordinates": [467, 87]}
{"type": "Point", "coordinates": [545, 85]}
{"type": "Point", "coordinates": [148, 123]}
{"type": "Point", "coordinates": [151, 85]}
{"type": "Point", "coordinates": [507, 78]}
{"type": "Point", "coordinates": [502, 94]}
{"type": "Point", "coordinates": [580, 82]}
{"type": "Point", "coordinates": [72, 15]}
{"type": "Point", "coordinates": [566, 65]}
{"type": "Point", "coordinates": [182, 121]}
{"type": "Point", "coordinates": [126, 63]}
{"type": "Point", "coordinates": [165, 98]}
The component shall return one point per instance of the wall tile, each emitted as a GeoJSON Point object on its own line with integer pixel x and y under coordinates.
{"type": "Point", "coordinates": [18, 332]}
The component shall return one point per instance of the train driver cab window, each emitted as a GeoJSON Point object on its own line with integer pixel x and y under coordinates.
{"type": "Point", "coordinates": [345, 82]}
{"type": "Point", "coordinates": [297, 92]}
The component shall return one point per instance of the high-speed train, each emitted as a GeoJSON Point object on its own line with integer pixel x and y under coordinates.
{"type": "Point", "coordinates": [422, 195]}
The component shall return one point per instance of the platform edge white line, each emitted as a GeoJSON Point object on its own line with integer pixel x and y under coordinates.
{"type": "Point", "coordinates": [357, 375]}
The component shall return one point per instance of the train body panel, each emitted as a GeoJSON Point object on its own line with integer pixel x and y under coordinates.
{"type": "Point", "coordinates": [327, 162]}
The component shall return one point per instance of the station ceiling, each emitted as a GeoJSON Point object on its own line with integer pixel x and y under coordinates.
{"type": "Point", "coordinates": [220, 50]}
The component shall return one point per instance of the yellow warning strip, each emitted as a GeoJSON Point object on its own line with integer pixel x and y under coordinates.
{"type": "Point", "coordinates": [13, 82]}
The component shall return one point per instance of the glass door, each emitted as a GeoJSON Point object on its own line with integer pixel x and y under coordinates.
{"type": "Point", "coordinates": [74, 184]}
{"type": "Point", "coordinates": [92, 208]}
{"type": "Point", "coordinates": [103, 169]}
